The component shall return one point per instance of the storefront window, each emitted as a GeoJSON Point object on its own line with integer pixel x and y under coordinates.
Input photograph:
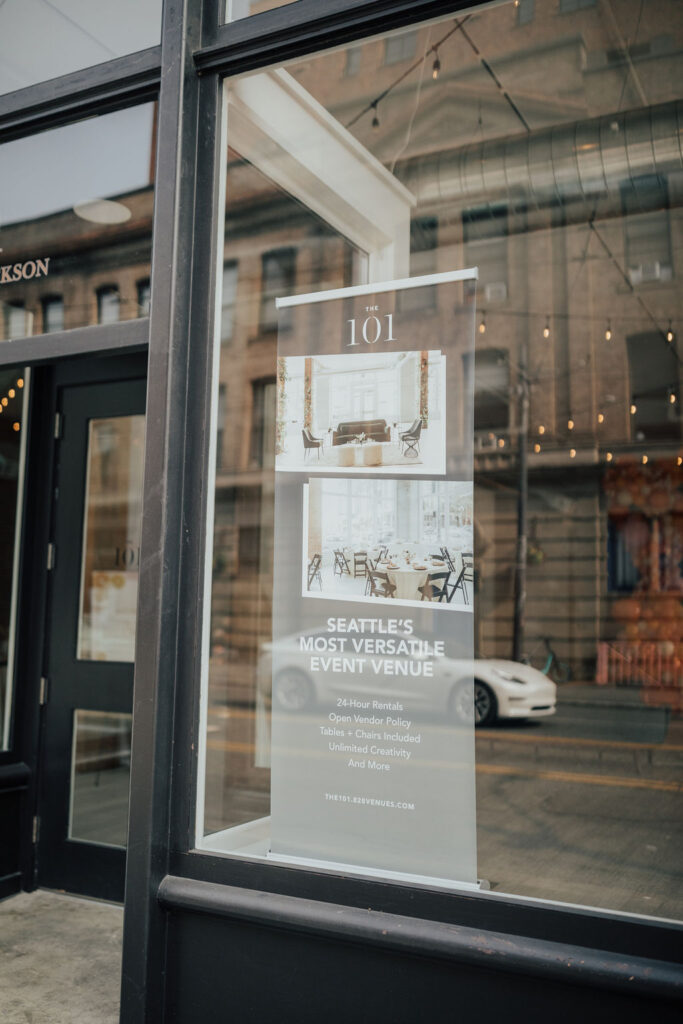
{"type": "Point", "coordinates": [39, 40]}
{"type": "Point", "coordinates": [13, 401]}
{"type": "Point", "coordinates": [75, 228]}
{"type": "Point", "coordinates": [545, 152]}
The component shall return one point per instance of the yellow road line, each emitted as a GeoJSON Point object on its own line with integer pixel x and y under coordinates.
{"type": "Point", "coordinates": [582, 778]}
{"type": "Point", "coordinates": [517, 737]}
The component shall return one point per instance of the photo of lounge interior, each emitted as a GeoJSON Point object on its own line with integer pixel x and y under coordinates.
{"type": "Point", "coordinates": [364, 412]}
{"type": "Point", "coordinates": [394, 540]}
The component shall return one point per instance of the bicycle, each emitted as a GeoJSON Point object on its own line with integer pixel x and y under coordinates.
{"type": "Point", "coordinates": [558, 671]}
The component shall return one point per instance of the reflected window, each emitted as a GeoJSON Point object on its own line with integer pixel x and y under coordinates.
{"type": "Point", "coordinates": [277, 279]}
{"type": "Point", "coordinates": [228, 295]}
{"type": "Point", "coordinates": [17, 320]}
{"type": "Point", "coordinates": [108, 304]}
{"type": "Point", "coordinates": [399, 48]}
{"type": "Point", "coordinates": [263, 422]}
{"type": "Point", "coordinates": [485, 231]}
{"type": "Point", "coordinates": [525, 11]}
{"type": "Point", "coordinates": [144, 293]}
{"type": "Point", "coordinates": [53, 314]}
{"type": "Point", "coordinates": [647, 234]}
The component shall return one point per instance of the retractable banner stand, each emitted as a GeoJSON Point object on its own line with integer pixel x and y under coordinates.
{"type": "Point", "coordinates": [372, 656]}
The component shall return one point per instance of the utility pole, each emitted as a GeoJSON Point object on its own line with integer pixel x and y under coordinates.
{"type": "Point", "coordinates": [522, 502]}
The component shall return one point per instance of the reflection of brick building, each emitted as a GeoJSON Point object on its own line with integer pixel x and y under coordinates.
{"type": "Point", "coordinates": [566, 195]}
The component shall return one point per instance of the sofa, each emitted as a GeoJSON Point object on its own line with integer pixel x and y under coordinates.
{"type": "Point", "coordinates": [374, 430]}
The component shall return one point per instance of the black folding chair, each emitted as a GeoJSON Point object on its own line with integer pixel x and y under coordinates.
{"type": "Point", "coordinates": [466, 576]}
{"type": "Point", "coordinates": [360, 563]}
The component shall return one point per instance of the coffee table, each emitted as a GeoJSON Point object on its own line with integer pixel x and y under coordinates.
{"type": "Point", "coordinates": [354, 454]}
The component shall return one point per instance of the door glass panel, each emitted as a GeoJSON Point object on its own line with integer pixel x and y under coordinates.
{"type": "Point", "coordinates": [100, 777]}
{"type": "Point", "coordinates": [111, 539]}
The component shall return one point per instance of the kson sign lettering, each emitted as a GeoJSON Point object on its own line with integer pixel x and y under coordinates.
{"type": "Point", "coordinates": [24, 271]}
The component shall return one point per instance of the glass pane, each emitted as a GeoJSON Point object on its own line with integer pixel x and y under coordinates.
{"type": "Point", "coordinates": [41, 40]}
{"type": "Point", "coordinates": [13, 402]}
{"type": "Point", "coordinates": [111, 539]}
{"type": "Point", "coordinates": [76, 223]}
{"type": "Point", "coordinates": [235, 9]}
{"type": "Point", "coordinates": [564, 188]}
{"type": "Point", "coordinates": [100, 777]}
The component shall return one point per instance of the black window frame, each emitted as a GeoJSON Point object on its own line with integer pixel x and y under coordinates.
{"type": "Point", "coordinates": [185, 74]}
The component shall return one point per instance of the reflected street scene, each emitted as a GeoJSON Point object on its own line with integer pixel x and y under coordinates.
{"type": "Point", "coordinates": [564, 189]}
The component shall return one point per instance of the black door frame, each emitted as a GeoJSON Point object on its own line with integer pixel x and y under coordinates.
{"type": "Point", "coordinates": [76, 866]}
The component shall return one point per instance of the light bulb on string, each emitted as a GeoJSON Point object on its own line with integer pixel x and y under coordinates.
{"type": "Point", "coordinates": [436, 66]}
{"type": "Point", "coordinates": [11, 393]}
{"type": "Point", "coordinates": [609, 456]}
{"type": "Point", "coordinates": [572, 453]}
{"type": "Point", "coordinates": [537, 447]}
{"type": "Point", "coordinates": [608, 332]}
{"type": "Point", "coordinates": [601, 417]}
{"type": "Point", "coordinates": [546, 329]}
{"type": "Point", "coordinates": [16, 426]}
{"type": "Point", "coordinates": [669, 334]}
{"type": "Point", "coordinates": [634, 408]}
{"type": "Point", "coordinates": [501, 442]}
{"type": "Point", "coordinates": [672, 397]}
{"type": "Point", "coordinates": [570, 423]}
{"type": "Point", "coordinates": [644, 460]}
{"type": "Point", "coordinates": [20, 382]}
{"type": "Point", "coordinates": [679, 460]}
{"type": "Point", "coordinates": [541, 429]}
{"type": "Point", "coordinates": [482, 325]}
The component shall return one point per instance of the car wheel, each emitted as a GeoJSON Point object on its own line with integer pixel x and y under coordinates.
{"type": "Point", "coordinates": [461, 703]}
{"type": "Point", "coordinates": [485, 709]}
{"type": "Point", "coordinates": [292, 690]}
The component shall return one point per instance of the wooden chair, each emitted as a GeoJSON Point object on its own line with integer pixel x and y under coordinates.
{"type": "Point", "coordinates": [381, 585]}
{"type": "Point", "coordinates": [431, 589]}
{"type": "Point", "coordinates": [341, 564]}
{"type": "Point", "coordinates": [314, 571]}
{"type": "Point", "coordinates": [360, 564]}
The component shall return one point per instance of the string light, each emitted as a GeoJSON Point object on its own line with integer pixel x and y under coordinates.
{"type": "Point", "coordinates": [436, 66]}
{"type": "Point", "coordinates": [541, 429]}
{"type": "Point", "coordinates": [546, 329]}
{"type": "Point", "coordinates": [20, 382]}
{"type": "Point", "coordinates": [482, 325]}
{"type": "Point", "coordinates": [644, 460]}
{"type": "Point", "coordinates": [669, 334]}
{"type": "Point", "coordinates": [679, 460]}
{"type": "Point", "coordinates": [16, 426]}
{"type": "Point", "coordinates": [375, 116]}
{"type": "Point", "coordinates": [634, 407]}
{"type": "Point", "coordinates": [570, 423]}
{"type": "Point", "coordinates": [609, 456]}
{"type": "Point", "coordinates": [608, 332]}
{"type": "Point", "coordinates": [537, 447]}
{"type": "Point", "coordinates": [11, 393]}
{"type": "Point", "coordinates": [601, 417]}
{"type": "Point", "coordinates": [501, 442]}
{"type": "Point", "coordinates": [672, 397]}
{"type": "Point", "coordinates": [572, 453]}
{"type": "Point", "coordinates": [5, 401]}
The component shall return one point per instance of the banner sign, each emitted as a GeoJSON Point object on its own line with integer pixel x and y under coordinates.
{"type": "Point", "coordinates": [371, 664]}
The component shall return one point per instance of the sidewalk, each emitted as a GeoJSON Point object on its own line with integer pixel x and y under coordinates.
{"type": "Point", "coordinates": [60, 959]}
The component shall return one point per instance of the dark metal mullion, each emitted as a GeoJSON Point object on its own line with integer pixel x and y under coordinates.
{"type": "Point", "coordinates": [43, 348]}
{"type": "Point", "coordinates": [309, 25]}
{"type": "Point", "coordinates": [95, 90]}
{"type": "Point", "coordinates": [163, 530]}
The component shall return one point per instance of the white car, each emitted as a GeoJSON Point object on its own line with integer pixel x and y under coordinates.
{"type": "Point", "coordinates": [502, 689]}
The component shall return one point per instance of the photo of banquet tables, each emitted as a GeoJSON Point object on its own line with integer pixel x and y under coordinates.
{"type": "Point", "coordinates": [390, 540]}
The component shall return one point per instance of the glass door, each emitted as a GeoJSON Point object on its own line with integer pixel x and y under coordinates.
{"type": "Point", "coordinates": [93, 566]}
